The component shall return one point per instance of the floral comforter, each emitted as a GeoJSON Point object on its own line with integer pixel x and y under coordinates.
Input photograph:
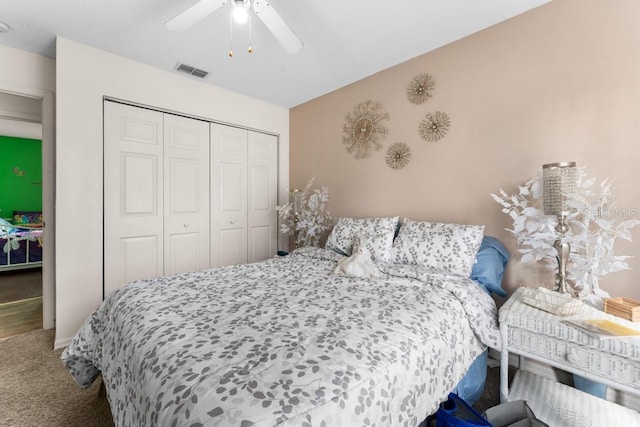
{"type": "Point", "coordinates": [284, 341]}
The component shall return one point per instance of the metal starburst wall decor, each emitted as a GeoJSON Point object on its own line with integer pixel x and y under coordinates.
{"type": "Point", "coordinates": [434, 126]}
{"type": "Point", "coordinates": [363, 129]}
{"type": "Point", "coordinates": [398, 155]}
{"type": "Point", "coordinates": [420, 88]}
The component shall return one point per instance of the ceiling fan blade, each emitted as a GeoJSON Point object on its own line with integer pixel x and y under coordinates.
{"type": "Point", "coordinates": [277, 26]}
{"type": "Point", "coordinates": [193, 14]}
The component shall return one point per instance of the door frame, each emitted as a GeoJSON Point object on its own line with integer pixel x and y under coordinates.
{"type": "Point", "coordinates": [48, 194]}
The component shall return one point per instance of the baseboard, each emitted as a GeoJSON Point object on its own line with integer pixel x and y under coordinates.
{"type": "Point", "coordinates": [625, 399]}
{"type": "Point", "coordinates": [61, 343]}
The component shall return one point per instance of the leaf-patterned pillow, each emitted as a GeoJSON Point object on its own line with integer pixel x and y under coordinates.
{"type": "Point", "coordinates": [380, 246]}
{"type": "Point", "coordinates": [347, 232]}
{"type": "Point", "coordinates": [444, 247]}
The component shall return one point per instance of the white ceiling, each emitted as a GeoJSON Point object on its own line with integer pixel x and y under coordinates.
{"type": "Point", "coordinates": [344, 40]}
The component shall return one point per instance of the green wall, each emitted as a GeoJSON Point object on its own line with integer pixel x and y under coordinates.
{"type": "Point", "coordinates": [20, 175]}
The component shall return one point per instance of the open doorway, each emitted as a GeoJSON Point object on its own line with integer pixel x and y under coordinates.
{"type": "Point", "coordinates": [26, 296]}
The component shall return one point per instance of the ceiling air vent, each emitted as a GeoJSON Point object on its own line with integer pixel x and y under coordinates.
{"type": "Point", "coordinates": [192, 70]}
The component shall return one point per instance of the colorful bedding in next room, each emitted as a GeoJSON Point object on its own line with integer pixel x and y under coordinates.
{"type": "Point", "coordinates": [20, 245]}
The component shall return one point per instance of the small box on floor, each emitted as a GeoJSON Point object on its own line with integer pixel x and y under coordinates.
{"type": "Point", "coordinates": [455, 412]}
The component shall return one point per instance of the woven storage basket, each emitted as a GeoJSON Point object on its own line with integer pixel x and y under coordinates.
{"type": "Point", "coordinates": [626, 308]}
{"type": "Point", "coordinates": [551, 301]}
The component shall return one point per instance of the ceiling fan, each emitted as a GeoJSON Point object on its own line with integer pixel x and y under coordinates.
{"type": "Point", "coordinates": [262, 8]}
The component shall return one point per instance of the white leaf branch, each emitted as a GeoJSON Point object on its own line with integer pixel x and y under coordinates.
{"type": "Point", "coordinates": [593, 230]}
{"type": "Point", "coordinates": [313, 216]}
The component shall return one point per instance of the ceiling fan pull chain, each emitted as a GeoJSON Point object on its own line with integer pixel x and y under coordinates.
{"type": "Point", "coordinates": [250, 49]}
{"type": "Point", "coordinates": [231, 34]}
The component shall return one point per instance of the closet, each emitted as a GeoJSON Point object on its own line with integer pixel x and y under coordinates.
{"type": "Point", "coordinates": [183, 194]}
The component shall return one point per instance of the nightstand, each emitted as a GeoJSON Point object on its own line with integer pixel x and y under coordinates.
{"type": "Point", "coordinates": [539, 335]}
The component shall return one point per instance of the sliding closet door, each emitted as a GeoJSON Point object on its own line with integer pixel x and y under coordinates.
{"type": "Point", "coordinates": [228, 195]}
{"type": "Point", "coordinates": [133, 194]}
{"type": "Point", "coordinates": [186, 194]}
{"type": "Point", "coordinates": [262, 196]}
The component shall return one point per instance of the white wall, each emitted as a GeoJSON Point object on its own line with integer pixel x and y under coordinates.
{"type": "Point", "coordinates": [24, 72]}
{"type": "Point", "coordinates": [84, 76]}
{"type": "Point", "coordinates": [20, 107]}
{"type": "Point", "coordinates": [20, 116]}
{"type": "Point", "coordinates": [20, 129]}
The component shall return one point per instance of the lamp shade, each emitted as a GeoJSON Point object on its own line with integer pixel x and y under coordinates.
{"type": "Point", "coordinates": [558, 180]}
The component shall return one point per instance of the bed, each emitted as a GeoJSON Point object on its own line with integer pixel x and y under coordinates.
{"type": "Point", "coordinates": [21, 242]}
{"type": "Point", "coordinates": [287, 341]}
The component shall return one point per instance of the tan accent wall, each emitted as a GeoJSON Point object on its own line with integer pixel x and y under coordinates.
{"type": "Point", "coordinates": [559, 83]}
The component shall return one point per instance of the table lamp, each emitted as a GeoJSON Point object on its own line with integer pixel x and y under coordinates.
{"type": "Point", "coordinates": [559, 180]}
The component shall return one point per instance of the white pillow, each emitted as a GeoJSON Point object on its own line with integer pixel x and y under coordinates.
{"type": "Point", "coordinates": [375, 234]}
{"type": "Point", "coordinates": [444, 247]}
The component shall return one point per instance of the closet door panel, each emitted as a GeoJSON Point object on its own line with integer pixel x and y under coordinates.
{"type": "Point", "coordinates": [228, 195]}
{"type": "Point", "coordinates": [232, 203]}
{"type": "Point", "coordinates": [139, 184]}
{"type": "Point", "coordinates": [231, 246]}
{"type": "Point", "coordinates": [186, 194]}
{"type": "Point", "coordinates": [133, 192]}
{"type": "Point", "coordinates": [139, 258]}
{"type": "Point", "coordinates": [262, 196]}
{"type": "Point", "coordinates": [184, 250]}
{"type": "Point", "coordinates": [183, 186]}
{"type": "Point", "coordinates": [260, 244]}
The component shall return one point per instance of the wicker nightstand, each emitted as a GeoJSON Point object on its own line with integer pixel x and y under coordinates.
{"type": "Point", "coordinates": [538, 335]}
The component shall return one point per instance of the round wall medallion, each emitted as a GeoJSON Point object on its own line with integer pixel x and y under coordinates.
{"type": "Point", "coordinates": [420, 88]}
{"type": "Point", "coordinates": [363, 130]}
{"type": "Point", "coordinates": [398, 155]}
{"type": "Point", "coordinates": [434, 126]}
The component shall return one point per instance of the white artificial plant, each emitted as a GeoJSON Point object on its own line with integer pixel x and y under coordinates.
{"type": "Point", "coordinates": [313, 215]}
{"type": "Point", "coordinates": [594, 226]}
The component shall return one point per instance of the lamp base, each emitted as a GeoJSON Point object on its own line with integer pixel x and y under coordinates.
{"type": "Point", "coordinates": [563, 249]}
{"type": "Point", "coordinates": [296, 219]}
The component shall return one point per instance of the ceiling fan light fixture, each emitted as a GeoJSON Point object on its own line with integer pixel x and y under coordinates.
{"type": "Point", "coordinates": [240, 11]}
{"type": "Point", "coordinates": [240, 15]}
{"type": "Point", "coordinates": [262, 9]}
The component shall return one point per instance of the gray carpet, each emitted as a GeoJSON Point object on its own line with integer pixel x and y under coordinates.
{"type": "Point", "coordinates": [21, 284]}
{"type": "Point", "coordinates": [37, 390]}
{"type": "Point", "coordinates": [491, 395]}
